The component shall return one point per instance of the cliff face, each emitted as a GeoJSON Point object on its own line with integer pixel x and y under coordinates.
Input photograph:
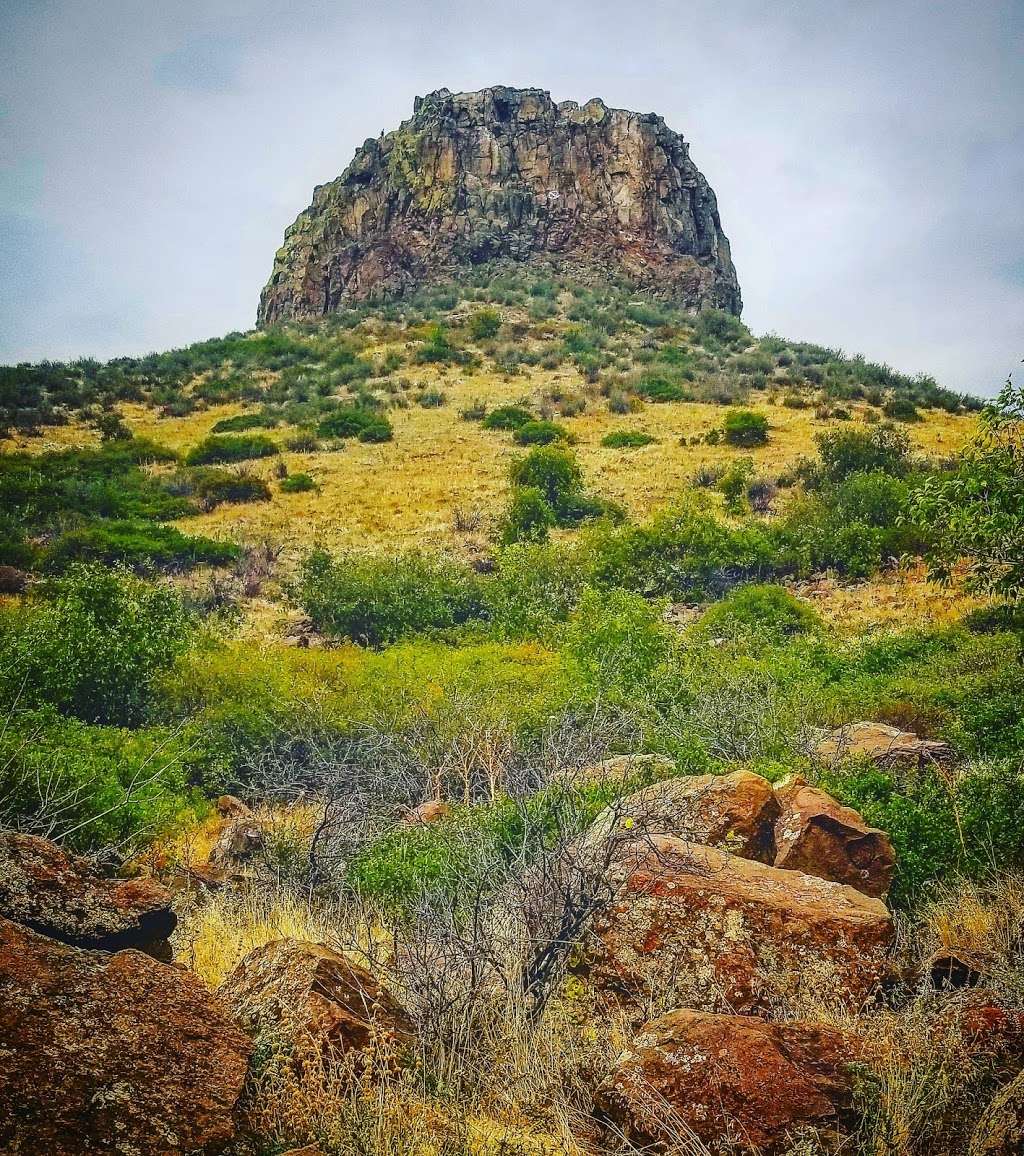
{"type": "Point", "coordinates": [507, 174]}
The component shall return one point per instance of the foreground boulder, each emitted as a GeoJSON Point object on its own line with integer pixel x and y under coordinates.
{"type": "Point", "coordinates": [882, 744]}
{"type": "Point", "coordinates": [819, 836]}
{"type": "Point", "coordinates": [738, 1083]}
{"type": "Point", "coordinates": [64, 897]}
{"type": "Point", "coordinates": [111, 1053]}
{"type": "Point", "coordinates": [718, 932]}
{"type": "Point", "coordinates": [737, 812]}
{"type": "Point", "coordinates": [304, 995]}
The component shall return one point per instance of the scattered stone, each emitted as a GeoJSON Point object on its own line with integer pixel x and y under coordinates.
{"type": "Point", "coordinates": [720, 933]}
{"type": "Point", "coordinates": [111, 1053]}
{"type": "Point", "coordinates": [882, 744]}
{"type": "Point", "coordinates": [229, 807]}
{"type": "Point", "coordinates": [819, 836]}
{"type": "Point", "coordinates": [736, 812]}
{"type": "Point", "coordinates": [737, 1083]}
{"type": "Point", "coordinates": [620, 768]}
{"type": "Point", "coordinates": [306, 995]}
{"type": "Point", "coordinates": [64, 897]}
{"type": "Point", "coordinates": [430, 812]}
{"type": "Point", "coordinates": [505, 174]}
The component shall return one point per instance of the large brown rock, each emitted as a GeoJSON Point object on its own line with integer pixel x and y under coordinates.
{"type": "Point", "coordinates": [111, 1053]}
{"type": "Point", "coordinates": [303, 995]}
{"type": "Point", "coordinates": [507, 175]}
{"type": "Point", "coordinates": [737, 1083]}
{"type": "Point", "coordinates": [64, 897]}
{"type": "Point", "coordinates": [716, 932]}
{"type": "Point", "coordinates": [882, 744]}
{"type": "Point", "coordinates": [736, 812]}
{"type": "Point", "coordinates": [819, 836]}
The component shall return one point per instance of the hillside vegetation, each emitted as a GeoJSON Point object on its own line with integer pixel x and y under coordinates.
{"type": "Point", "coordinates": [456, 553]}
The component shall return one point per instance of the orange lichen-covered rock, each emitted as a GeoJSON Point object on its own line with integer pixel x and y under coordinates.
{"type": "Point", "coordinates": [881, 744]}
{"type": "Point", "coordinates": [64, 897]}
{"type": "Point", "coordinates": [305, 995]}
{"type": "Point", "coordinates": [736, 1083]}
{"type": "Point", "coordinates": [111, 1053]}
{"type": "Point", "coordinates": [732, 934]}
{"type": "Point", "coordinates": [819, 836]}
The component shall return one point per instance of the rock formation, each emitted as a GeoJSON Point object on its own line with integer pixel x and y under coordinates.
{"type": "Point", "coordinates": [507, 175]}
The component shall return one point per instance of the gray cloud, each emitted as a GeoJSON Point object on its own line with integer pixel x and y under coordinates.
{"type": "Point", "coordinates": [867, 156]}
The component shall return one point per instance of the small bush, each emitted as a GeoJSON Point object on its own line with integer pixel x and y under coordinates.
{"type": "Point", "coordinates": [899, 408]}
{"type": "Point", "coordinates": [848, 451]}
{"type": "Point", "coordinates": [627, 439]}
{"type": "Point", "coordinates": [377, 600]}
{"type": "Point", "coordinates": [767, 611]}
{"type": "Point", "coordinates": [141, 546]}
{"type": "Point", "coordinates": [484, 324]}
{"type": "Point", "coordinates": [244, 421]}
{"type": "Point", "coordinates": [745, 428]}
{"type": "Point", "coordinates": [541, 433]}
{"type": "Point", "coordinates": [212, 487]}
{"type": "Point", "coordinates": [656, 387]}
{"type": "Point", "coordinates": [529, 517]}
{"type": "Point", "coordinates": [431, 399]}
{"type": "Point", "coordinates": [354, 421]}
{"type": "Point", "coordinates": [297, 484]}
{"type": "Point", "coordinates": [509, 417]}
{"type": "Point", "coordinates": [230, 448]}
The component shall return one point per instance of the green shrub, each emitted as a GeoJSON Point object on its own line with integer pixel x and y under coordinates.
{"type": "Point", "coordinates": [140, 546]}
{"type": "Point", "coordinates": [353, 421]}
{"type": "Point", "coordinates": [627, 439]}
{"type": "Point", "coordinates": [484, 324]}
{"type": "Point", "coordinates": [658, 387]}
{"type": "Point", "coordinates": [533, 587]}
{"type": "Point", "coordinates": [431, 399]}
{"type": "Point", "coordinates": [91, 644]}
{"type": "Point", "coordinates": [553, 470]}
{"type": "Point", "coordinates": [213, 486]}
{"type": "Point", "coordinates": [618, 640]}
{"type": "Point", "coordinates": [376, 600]}
{"type": "Point", "coordinates": [297, 484]}
{"type": "Point", "coordinates": [848, 451]}
{"type": "Point", "coordinates": [541, 433]}
{"type": "Point", "coordinates": [244, 421]}
{"type": "Point", "coordinates": [763, 611]}
{"type": "Point", "coordinates": [508, 417]}
{"type": "Point", "coordinates": [230, 448]}
{"type": "Point", "coordinates": [529, 517]}
{"type": "Point", "coordinates": [900, 408]}
{"type": "Point", "coordinates": [745, 428]}
{"type": "Point", "coordinates": [733, 483]}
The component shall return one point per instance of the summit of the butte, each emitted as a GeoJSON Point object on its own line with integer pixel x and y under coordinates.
{"type": "Point", "coordinates": [507, 175]}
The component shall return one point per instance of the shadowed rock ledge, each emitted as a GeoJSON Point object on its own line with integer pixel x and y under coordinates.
{"type": "Point", "coordinates": [507, 175]}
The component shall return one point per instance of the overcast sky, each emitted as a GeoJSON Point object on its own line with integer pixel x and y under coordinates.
{"type": "Point", "coordinates": [868, 157]}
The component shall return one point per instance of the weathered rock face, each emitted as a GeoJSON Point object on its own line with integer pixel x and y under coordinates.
{"type": "Point", "coordinates": [720, 933]}
{"type": "Point", "coordinates": [882, 744]}
{"type": "Point", "coordinates": [738, 1083]}
{"type": "Point", "coordinates": [737, 812]}
{"type": "Point", "coordinates": [111, 1053]}
{"type": "Point", "coordinates": [506, 174]}
{"type": "Point", "coordinates": [62, 896]}
{"type": "Point", "coordinates": [819, 836]}
{"type": "Point", "coordinates": [305, 995]}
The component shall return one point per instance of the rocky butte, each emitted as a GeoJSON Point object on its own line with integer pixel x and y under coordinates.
{"type": "Point", "coordinates": [507, 175]}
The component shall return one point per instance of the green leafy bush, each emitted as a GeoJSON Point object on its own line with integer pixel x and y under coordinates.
{"type": "Point", "coordinates": [507, 417]}
{"type": "Point", "coordinates": [376, 600]}
{"type": "Point", "coordinates": [213, 486]}
{"type": "Point", "coordinates": [627, 439]}
{"type": "Point", "coordinates": [244, 421]}
{"type": "Point", "coordinates": [352, 421]}
{"type": "Point", "coordinates": [484, 324]}
{"type": "Point", "coordinates": [762, 611]}
{"type": "Point", "coordinates": [849, 451]}
{"type": "Point", "coordinates": [297, 484]}
{"type": "Point", "coordinates": [529, 517]}
{"type": "Point", "coordinates": [745, 428]}
{"type": "Point", "coordinates": [230, 448]}
{"type": "Point", "coordinates": [541, 433]}
{"type": "Point", "coordinates": [91, 644]}
{"type": "Point", "coordinates": [141, 546]}
{"type": "Point", "coordinates": [900, 408]}
{"type": "Point", "coordinates": [658, 387]}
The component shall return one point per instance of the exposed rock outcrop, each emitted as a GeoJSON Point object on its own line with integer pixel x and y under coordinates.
{"type": "Point", "coordinates": [882, 744]}
{"type": "Point", "coordinates": [738, 1083]}
{"type": "Point", "coordinates": [65, 898]}
{"type": "Point", "coordinates": [507, 174]}
{"type": "Point", "coordinates": [736, 812]}
{"type": "Point", "coordinates": [819, 836]}
{"type": "Point", "coordinates": [111, 1053]}
{"type": "Point", "coordinates": [303, 995]}
{"type": "Point", "coordinates": [731, 934]}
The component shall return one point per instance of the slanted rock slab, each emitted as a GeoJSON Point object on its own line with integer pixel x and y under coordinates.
{"type": "Point", "coordinates": [732, 934]}
{"type": "Point", "coordinates": [307, 995]}
{"type": "Point", "coordinates": [64, 897]}
{"type": "Point", "coordinates": [882, 744]}
{"type": "Point", "coordinates": [738, 1083]}
{"type": "Point", "coordinates": [819, 836]}
{"type": "Point", "coordinates": [111, 1053]}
